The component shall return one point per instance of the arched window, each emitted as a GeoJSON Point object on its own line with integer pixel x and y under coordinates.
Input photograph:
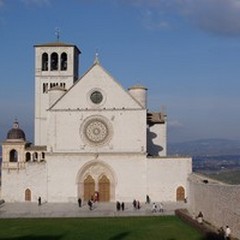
{"type": "Point", "coordinates": [45, 62]}
{"type": "Point", "coordinates": [28, 157]}
{"type": "Point", "coordinates": [63, 61]}
{"type": "Point", "coordinates": [180, 194]}
{"type": "Point", "coordinates": [54, 61]}
{"type": "Point", "coordinates": [13, 156]}
{"type": "Point", "coordinates": [43, 155]}
{"type": "Point", "coordinates": [28, 194]}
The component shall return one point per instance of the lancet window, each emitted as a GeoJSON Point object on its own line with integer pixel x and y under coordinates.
{"type": "Point", "coordinates": [64, 62]}
{"type": "Point", "coordinates": [54, 61]}
{"type": "Point", "coordinates": [44, 62]}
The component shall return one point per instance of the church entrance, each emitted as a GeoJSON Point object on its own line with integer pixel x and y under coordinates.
{"type": "Point", "coordinates": [104, 189]}
{"type": "Point", "coordinates": [102, 193]}
{"type": "Point", "coordinates": [96, 181]}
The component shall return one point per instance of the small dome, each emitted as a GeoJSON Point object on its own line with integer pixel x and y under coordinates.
{"type": "Point", "coordinates": [16, 133]}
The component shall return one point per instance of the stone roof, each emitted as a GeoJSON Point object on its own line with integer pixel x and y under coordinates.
{"type": "Point", "coordinates": [57, 44]}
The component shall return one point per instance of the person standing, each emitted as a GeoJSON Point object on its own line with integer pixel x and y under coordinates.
{"type": "Point", "coordinates": [118, 206]}
{"type": "Point", "coordinates": [123, 206]}
{"type": "Point", "coordinates": [200, 217]}
{"type": "Point", "coordinates": [227, 233]}
{"type": "Point", "coordinates": [154, 207]}
{"type": "Point", "coordinates": [147, 199]}
{"type": "Point", "coordinates": [39, 201]}
{"type": "Point", "coordinates": [80, 202]}
{"type": "Point", "coordinates": [160, 207]}
{"type": "Point", "coordinates": [90, 204]}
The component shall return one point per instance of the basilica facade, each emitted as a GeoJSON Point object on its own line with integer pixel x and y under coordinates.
{"type": "Point", "coordinates": [92, 138]}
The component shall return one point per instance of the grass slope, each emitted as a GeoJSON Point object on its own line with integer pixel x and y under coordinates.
{"type": "Point", "coordinates": [125, 228]}
{"type": "Point", "coordinates": [230, 177]}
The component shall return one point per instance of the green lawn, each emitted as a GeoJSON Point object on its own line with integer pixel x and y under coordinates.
{"type": "Point", "coordinates": [125, 228]}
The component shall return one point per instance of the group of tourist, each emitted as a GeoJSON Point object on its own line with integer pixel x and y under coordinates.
{"type": "Point", "coordinates": [157, 207]}
{"type": "Point", "coordinates": [136, 204]}
{"type": "Point", "coordinates": [224, 234]}
{"type": "Point", "coordinates": [120, 206]}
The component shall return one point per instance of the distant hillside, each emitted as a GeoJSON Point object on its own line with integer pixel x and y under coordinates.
{"type": "Point", "coordinates": [205, 147]}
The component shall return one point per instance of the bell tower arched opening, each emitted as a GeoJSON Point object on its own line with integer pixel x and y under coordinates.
{"type": "Point", "coordinates": [54, 61]}
{"type": "Point", "coordinates": [13, 156]}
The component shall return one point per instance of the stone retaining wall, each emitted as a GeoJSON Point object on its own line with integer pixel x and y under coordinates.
{"type": "Point", "coordinates": [219, 202]}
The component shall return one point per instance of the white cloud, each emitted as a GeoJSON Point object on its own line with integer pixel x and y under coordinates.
{"type": "Point", "coordinates": [213, 16]}
{"type": "Point", "coordinates": [151, 20]}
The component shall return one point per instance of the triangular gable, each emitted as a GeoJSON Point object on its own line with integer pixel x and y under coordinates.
{"type": "Point", "coordinates": [96, 79]}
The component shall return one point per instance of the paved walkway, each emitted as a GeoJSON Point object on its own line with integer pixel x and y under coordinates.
{"type": "Point", "coordinates": [48, 210]}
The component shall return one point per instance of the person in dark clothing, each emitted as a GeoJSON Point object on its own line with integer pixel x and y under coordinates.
{"type": "Point", "coordinates": [90, 204]}
{"type": "Point", "coordinates": [80, 202]}
{"type": "Point", "coordinates": [123, 206]}
{"type": "Point", "coordinates": [118, 206]}
{"type": "Point", "coordinates": [39, 201]}
{"type": "Point", "coordinates": [147, 199]}
{"type": "Point", "coordinates": [135, 203]}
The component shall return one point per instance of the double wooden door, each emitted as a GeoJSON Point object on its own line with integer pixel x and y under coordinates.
{"type": "Point", "coordinates": [103, 190]}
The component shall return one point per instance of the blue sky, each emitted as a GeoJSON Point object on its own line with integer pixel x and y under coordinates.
{"type": "Point", "coordinates": [186, 52]}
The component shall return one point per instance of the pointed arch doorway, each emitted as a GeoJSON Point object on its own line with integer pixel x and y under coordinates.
{"type": "Point", "coordinates": [96, 179]}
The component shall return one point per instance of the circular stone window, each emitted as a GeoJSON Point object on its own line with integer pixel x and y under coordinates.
{"type": "Point", "coordinates": [96, 97]}
{"type": "Point", "coordinates": [96, 131]}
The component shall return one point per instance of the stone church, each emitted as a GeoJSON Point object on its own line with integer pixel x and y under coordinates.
{"type": "Point", "coordinates": [93, 138]}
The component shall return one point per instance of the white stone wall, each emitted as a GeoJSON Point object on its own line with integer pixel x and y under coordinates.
{"type": "Point", "coordinates": [128, 172]}
{"type": "Point", "coordinates": [165, 175]}
{"type": "Point", "coordinates": [127, 129]}
{"type": "Point", "coordinates": [114, 96]}
{"type": "Point", "coordinates": [134, 176]}
{"type": "Point", "coordinates": [16, 181]}
{"type": "Point", "coordinates": [219, 203]}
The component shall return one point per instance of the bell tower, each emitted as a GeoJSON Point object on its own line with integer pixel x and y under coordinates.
{"type": "Point", "coordinates": [56, 65]}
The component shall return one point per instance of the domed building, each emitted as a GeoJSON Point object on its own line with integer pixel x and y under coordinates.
{"type": "Point", "coordinates": [93, 138]}
{"type": "Point", "coordinates": [15, 134]}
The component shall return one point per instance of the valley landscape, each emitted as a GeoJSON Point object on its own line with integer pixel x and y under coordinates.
{"type": "Point", "coordinates": [216, 158]}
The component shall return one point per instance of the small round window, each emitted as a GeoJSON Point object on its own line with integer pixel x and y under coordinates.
{"type": "Point", "coordinates": [96, 97]}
